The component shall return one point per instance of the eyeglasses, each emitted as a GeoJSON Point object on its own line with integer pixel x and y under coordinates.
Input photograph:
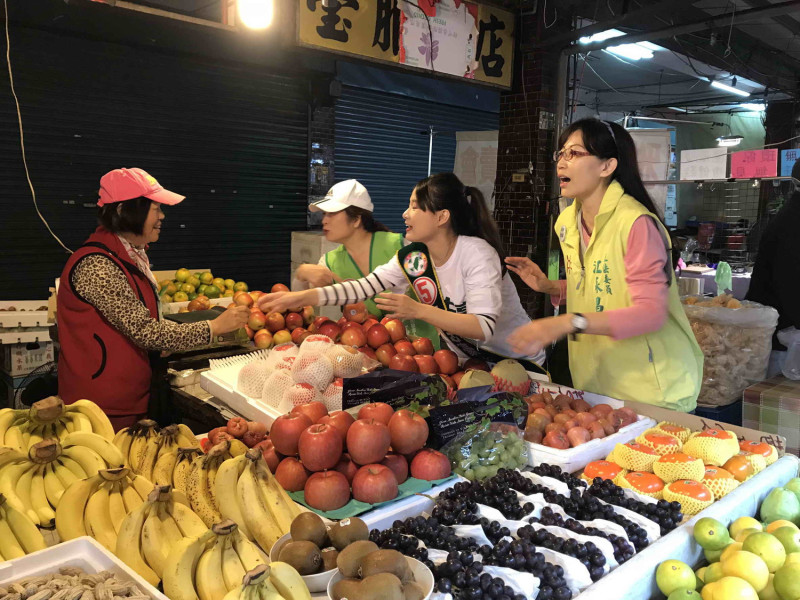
{"type": "Point", "coordinates": [569, 154]}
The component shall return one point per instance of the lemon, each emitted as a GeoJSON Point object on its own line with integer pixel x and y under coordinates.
{"type": "Point", "coordinates": [713, 556]}
{"type": "Point", "coordinates": [787, 582]}
{"type": "Point", "coordinates": [229, 283]}
{"type": "Point", "coordinates": [206, 278]}
{"type": "Point", "coordinates": [747, 566]}
{"type": "Point", "coordinates": [769, 593]}
{"type": "Point", "coordinates": [713, 573]}
{"type": "Point", "coordinates": [711, 534]}
{"type": "Point", "coordinates": [743, 523]}
{"type": "Point", "coordinates": [744, 533]}
{"type": "Point", "coordinates": [733, 588]}
{"type": "Point", "coordinates": [182, 275]}
{"type": "Point", "coordinates": [768, 547]}
{"type": "Point", "coordinates": [674, 575]}
{"type": "Point", "coordinates": [732, 547]}
{"type": "Point", "coordinates": [792, 559]}
{"type": "Point", "coordinates": [789, 537]}
{"type": "Point", "coordinates": [701, 575]}
{"type": "Point", "coordinates": [684, 594]}
{"type": "Point", "coordinates": [781, 523]}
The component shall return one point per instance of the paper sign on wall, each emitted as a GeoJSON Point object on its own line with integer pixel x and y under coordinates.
{"type": "Point", "coordinates": [476, 161]}
{"type": "Point", "coordinates": [788, 158]}
{"type": "Point", "coordinates": [705, 163]}
{"type": "Point", "coordinates": [754, 163]}
{"type": "Point", "coordinates": [652, 154]}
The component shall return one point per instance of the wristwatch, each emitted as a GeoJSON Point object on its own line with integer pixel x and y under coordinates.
{"type": "Point", "coordinates": [579, 324]}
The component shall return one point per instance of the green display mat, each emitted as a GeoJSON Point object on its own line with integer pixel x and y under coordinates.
{"type": "Point", "coordinates": [408, 488]}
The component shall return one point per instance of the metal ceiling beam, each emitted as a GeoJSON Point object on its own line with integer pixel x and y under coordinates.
{"type": "Point", "coordinates": [787, 22]}
{"type": "Point", "coordinates": [753, 14]}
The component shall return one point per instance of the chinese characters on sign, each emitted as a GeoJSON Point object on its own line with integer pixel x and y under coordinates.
{"type": "Point", "coordinates": [602, 282]}
{"type": "Point", "coordinates": [455, 37]}
{"type": "Point", "coordinates": [754, 163]}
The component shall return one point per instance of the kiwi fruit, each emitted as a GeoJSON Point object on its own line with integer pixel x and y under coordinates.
{"type": "Point", "coordinates": [413, 591]}
{"type": "Point", "coordinates": [381, 586]}
{"type": "Point", "coordinates": [346, 588]}
{"type": "Point", "coordinates": [347, 531]}
{"type": "Point", "coordinates": [349, 559]}
{"type": "Point", "coordinates": [329, 556]}
{"type": "Point", "coordinates": [303, 556]}
{"type": "Point", "coordinates": [309, 527]}
{"type": "Point", "coordinates": [385, 561]}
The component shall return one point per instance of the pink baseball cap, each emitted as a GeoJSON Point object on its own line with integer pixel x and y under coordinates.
{"type": "Point", "coordinates": [125, 184]}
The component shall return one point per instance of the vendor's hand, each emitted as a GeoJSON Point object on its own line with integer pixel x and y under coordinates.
{"type": "Point", "coordinates": [531, 274]}
{"type": "Point", "coordinates": [230, 320]}
{"type": "Point", "coordinates": [282, 301]}
{"type": "Point", "coordinates": [398, 306]}
{"type": "Point", "coordinates": [531, 338]}
{"type": "Point", "coordinates": [316, 275]}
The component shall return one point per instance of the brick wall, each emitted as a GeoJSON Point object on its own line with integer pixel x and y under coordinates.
{"type": "Point", "coordinates": [527, 128]}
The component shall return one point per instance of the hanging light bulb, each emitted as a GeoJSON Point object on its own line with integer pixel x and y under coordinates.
{"type": "Point", "coordinates": [255, 14]}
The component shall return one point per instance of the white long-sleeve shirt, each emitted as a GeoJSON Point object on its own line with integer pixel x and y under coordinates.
{"type": "Point", "coordinates": [472, 282]}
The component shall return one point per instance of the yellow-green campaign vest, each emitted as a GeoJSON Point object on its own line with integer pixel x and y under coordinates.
{"type": "Point", "coordinates": [664, 367]}
{"type": "Point", "coordinates": [383, 248]}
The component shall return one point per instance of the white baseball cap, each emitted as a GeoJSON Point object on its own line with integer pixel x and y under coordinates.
{"type": "Point", "coordinates": [345, 193]}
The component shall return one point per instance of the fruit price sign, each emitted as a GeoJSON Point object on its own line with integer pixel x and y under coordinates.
{"type": "Point", "coordinates": [458, 38]}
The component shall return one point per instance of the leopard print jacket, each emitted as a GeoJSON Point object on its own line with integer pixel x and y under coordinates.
{"type": "Point", "coordinates": [101, 283]}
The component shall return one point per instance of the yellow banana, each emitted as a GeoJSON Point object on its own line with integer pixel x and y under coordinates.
{"type": "Point", "coordinates": [72, 466]}
{"type": "Point", "coordinates": [14, 439]}
{"type": "Point", "coordinates": [165, 465]}
{"type": "Point", "coordinates": [149, 457]}
{"type": "Point", "coordinates": [225, 486]}
{"type": "Point", "coordinates": [183, 468]}
{"type": "Point", "coordinates": [187, 520]}
{"type": "Point", "coordinates": [186, 437]}
{"type": "Point", "coordinates": [248, 552]}
{"type": "Point", "coordinates": [36, 434]}
{"type": "Point", "coordinates": [282, 507]}
{"type": "Point", "coordinates": [232, 569]}
{"type": "Point", "coordinates": [208, 576]}
{"type": "Point", "coordinates": [53, 487]}
{"type": "Point", "coordinates": [116, 506]}
{"type": "Point", "coordinates": [15, 484]}
{"type": "Point", "coordinates": [256, 585]}
{"type": "Point", "coordinates": [89, 460]}
{"type": "Point", "coordinates": [101, 425]}
{"type": "Point", "coordinates": [26, 532]}
{"type": "Point", "coordinates": [7, 418]}
{"type": "Point", "coordinates": [68, 426]}
{"type": "Point", "coordinates": [179, 570]}
{"type": "Point", "coordinates": [130, 497]}
{"type": "Point", "coordinates": [39, 501]}
{"type": "Point", "coordinates": [142, 486]}
{"type": "Point", "coordinates": [123, 440]}
{"type": "Point", "coordinates": [64, 475]}
{"type": "Point", "coordinates": [80, 422]}
{"type": "Point", "coordinates": [259, 520]}
{"type": "Point", "coordinates": [9, 545]}
{"type": "Point", "coordinates": [289, 582]}
{"type": "Point", "coordinates": [129, 543]}
{"type": "Point", "coordinates": [172, 532]}
{"type": "Point", "coordinates": [199, 493]}
{"type": "Point", "coordinates": [97, 517]}
{"type": "Point", "coordinates": [238, 448]}
{"type": "Point", "coordinates": [71, 508]}
{"type": "Point", "coordinates": [155, 545]}
{"type": "Point", "coordinates": [107, 451]}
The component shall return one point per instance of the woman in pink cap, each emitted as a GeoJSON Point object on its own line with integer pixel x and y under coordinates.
{"type": "Point", "coordinates": [108, 311]}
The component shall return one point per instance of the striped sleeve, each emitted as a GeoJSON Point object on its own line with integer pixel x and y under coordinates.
{"type": "Point", "coordinates": [386, 277]}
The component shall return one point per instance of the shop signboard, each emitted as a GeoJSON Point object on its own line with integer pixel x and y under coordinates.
{"type": "Point", "coordinates": [458, 38]}
{"type": "Point", "coordinates": [788, 158]}
{"type": "Point", "coordinates": [754, 163]}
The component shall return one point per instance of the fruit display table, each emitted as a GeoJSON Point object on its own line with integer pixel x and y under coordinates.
{"type": "Point", "coordinates": [633, 580]}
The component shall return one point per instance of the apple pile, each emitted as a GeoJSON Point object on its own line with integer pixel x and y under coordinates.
{"type": "Point", "coordinates": [252, 434]}
{"type": "Point", "coordinates": [563, 422]}
{"type": "Point", "coordinates": [274, 328]}
{"type": "Point", "coordinates": [333, 457]}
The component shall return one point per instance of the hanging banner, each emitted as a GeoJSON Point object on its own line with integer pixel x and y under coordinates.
{"type": "Point", "coordinates": [788, 158]}
{"type": "Point", "coordinates": [754, 163]}
{"type": "Point", "coordinates": [476, 161]}
{"type": "Point", "coordinates": [652, 154]}
{"type": "Point", "coordinates": [458, 38]}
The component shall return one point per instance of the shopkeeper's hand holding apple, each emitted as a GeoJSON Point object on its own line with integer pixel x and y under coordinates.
{"type": "Point", "coordinates": [230, 320]}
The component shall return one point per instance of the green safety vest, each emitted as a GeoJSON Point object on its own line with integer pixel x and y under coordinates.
{"type": "Point", "coordinates": [383, 248]}
{"type": "Point", "coordinates": [665, 367]}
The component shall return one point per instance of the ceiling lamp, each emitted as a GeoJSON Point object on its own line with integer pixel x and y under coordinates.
{"type": "Point", "coordinates": [729, 89]}
{"type": "Point", "coordinates": [635, 51]}
{"type": "Point", "coordinates": [729, 140]}
{"type": "Point", "coordinates": [255, 14]}
{"type": "Point", "coordinates": [752, 107]}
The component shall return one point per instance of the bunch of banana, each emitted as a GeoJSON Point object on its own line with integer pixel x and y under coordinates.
{"type": "Point", "coordinates": [277, 581]}
{"type": "Point", "coordinates": [208, 566]}
{"type": "Point", "coordinates": [97, 505]}
{"type": "Point", "coordinates": [18, 534]}
{"type": "Point", "coordinates": [248, 493]}
{"type": "Point", "coordinates": [50, 419]}
{"type": "Point", "coordinates": [153, 530]}
{"type": "Point", "coordinates": [201, 488]}
{"type": "Point", "coordinates": [143, 445]}
{"type": "Point", "coordinates": [179, 477]}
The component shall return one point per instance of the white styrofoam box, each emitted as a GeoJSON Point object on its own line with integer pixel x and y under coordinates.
{"type": "Point", "coordinates": [26, 315]}
{"type": "Point", "coordinates": [219, 385]}
{"type": "Point", "coordinates": [24, 335]}
{"type": "Point", "coordinates": [81, 552]}
{"type": "Point", "coordinates": [575, 459]}
{"type": "Point", "coordinates": [21, 359]}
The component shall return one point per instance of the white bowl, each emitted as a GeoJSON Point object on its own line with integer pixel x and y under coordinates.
{"type": "Point", "coordinates": [422, 575]}
{"type": "Point", "coordinates": [318, 582]}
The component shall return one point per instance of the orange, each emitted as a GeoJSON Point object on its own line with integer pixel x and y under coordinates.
{"type": "Point", "coordinates": [739, 467]}
{"type": "Point", "coordinates": [761, 448]}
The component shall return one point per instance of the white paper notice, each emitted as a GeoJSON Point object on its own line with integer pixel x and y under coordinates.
{"type": "Point", "coordinates": [706, 163]}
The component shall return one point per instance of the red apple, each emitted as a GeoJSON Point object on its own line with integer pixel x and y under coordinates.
{"type": "Point", "coordinates": [269, 453]}
{"type": "Point", "coordinates": [380, 411]}
{"type": "Point", "coordinates": [340, 419]}
{"type": "Point", "coordinates": [347, 467]}
{"type": "Point", "coordinates": [368, 323]}
{"type": "Point", "coordinates": [385, 353]}
{"type": "Point", "coordinates": [327, 490]}
{"type": "Point", "coordinates": [429, 465]}
{"type": "Point", "coordinates": [251, 438]}
{"type": "Point", "coordinates": [369, 352]}
{"type": "Point", "coordinates": [405, 347]}
{"type": "Point", "coordinates": [399, 466]}
{"type": "Point", "coordinates": [353, 325]}
{"type": "Point", "coordinates": [255, 295]}
{"type": "Point", "coordinates": [236, 426]}
{"type": "Point", "coordinates": [257, 427]}
{"type": "Point", "coordinates": [286, 430]}
{"type": "Point", "coordinates": [243, 299]}
{"type": "Point", "coordinates": [374, 483]}
{"type": "Point", "coordinates": [257, 320]}
{"type": "Point", "coordinates": [263, 339]}
{"type": "Point", "coordinates": [330, 329]}
{"type": "Point", "coordinates": [408, 431]}
{"type": "Point", "coordinates": [377, 336]}
{"type": "Point", "coordinates": [313, 410]}
{"type": "Point", "coordinates": [275, 321]}
{"type": "Point", "coordinates": [426, 364]}
{"type": "Point", "coordinates": [299, 334]}
{"type": "Point", "coordinates": [368, 441]}
{"type": "Point", "coordinates": [342, 322]}
{"type": "Point", "coordinates": [308, 315]}
{"type": "Point", "coordinates": [457, 377]}
{"type": "Point", "coordinates": [355, 312]}
{"type": "Point", "coordinates": [353, 336]}
{"type": "Point", "coordinates": [423, 345]}
{"type": "Point", "coordinates": [278, 287]}
{"type": "Point", "coordinates": [320, 447]}
{"type": "Point", "coordinates": [475, 364]}
{"type": "Point", "coordinates": [291, 474]}
{"type": "Point", "coordinates": [402, 362]}
{"type": "Point", "coordinates": [319, 321]}
{"type": "Point", "coordinates": [282, 337]}
{"type": "Point", "coordinates": [447, 361]}
{"type": "Point", "coordinates": [396, 329]}
{"type": "Point", "coordinates": [293, 321]}
{"type": "Point", "coordinates": [250, 332]}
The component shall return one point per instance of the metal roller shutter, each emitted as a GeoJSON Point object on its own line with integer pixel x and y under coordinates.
{"type": "Point", "coordinates": [378, 142]}
{"type": "Point", "coordinates": [233, 139]}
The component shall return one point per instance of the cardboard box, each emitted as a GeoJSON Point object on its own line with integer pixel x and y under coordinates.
{"type": "Point", "coordinates": [21, 359]}
{"type": "Point", "coordinates": [773, 406]}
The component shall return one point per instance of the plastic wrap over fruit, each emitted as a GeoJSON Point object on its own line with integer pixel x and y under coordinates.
{"type": "Point", "coordinates": [252, 377]}
{"type": "Point", "coordinates": [315, 345]}
{"type": "Point", "coordinates": [277, 383]}
{"type": "Point", "coordinates": [736, 340]}
{"type": "Point", "coordinates": [316, 369]}
{"type": "Point", "coordinates": [332, 396]}
{"type": "Point", "coordinates": [279, 353]}
{"type": "Point", "coordinates": [346, 361]}
{"type": "Point", "coordinates": [297, 394]}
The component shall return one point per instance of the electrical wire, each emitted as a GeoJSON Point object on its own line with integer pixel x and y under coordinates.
{"type": "Point", "coordinates": [544, 16]}
{"type": "Point", "coordinates": [21, 134]}
{"type": "Point", "coordinates": [730, 31]}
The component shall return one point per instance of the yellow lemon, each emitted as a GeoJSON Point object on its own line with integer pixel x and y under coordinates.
{"type": "Point", "coordinates": [734, 588]}
{"type": "Point", "coordinates": [713, 573]}
{"type": "Point", "coordinates": [787, 582]}
{"type": "Point", "coordinates": [734, 547]}
{"type": "Point", "coordinates": [780, 523]}
{"type": "Point", "coordinates": [769, 593]}
{"type": "Point", "coordinates": [768, 547]}
{"type": "Point", "coordinates": [743, 523]}
{"type": "Point", "coordinates": [742, 535]}
{"type": "Point", "coordinates": [747, 566]}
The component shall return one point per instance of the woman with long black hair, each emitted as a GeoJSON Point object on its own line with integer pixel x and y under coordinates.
{"type": "Point", "coordinates": [630, 338]}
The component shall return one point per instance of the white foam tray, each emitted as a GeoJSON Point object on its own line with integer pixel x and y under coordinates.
{"type": "Point", "coordinates": [575, 459]}
{"type": "Point", "coordinates": [221, 382]}
{"type": "Point", "coordinates": [30, 317]}
{"type": "Point", "coordinates": [81, 552]}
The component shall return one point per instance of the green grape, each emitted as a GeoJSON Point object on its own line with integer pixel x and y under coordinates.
{"type": "Point", "coordinates": [469, 474]}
